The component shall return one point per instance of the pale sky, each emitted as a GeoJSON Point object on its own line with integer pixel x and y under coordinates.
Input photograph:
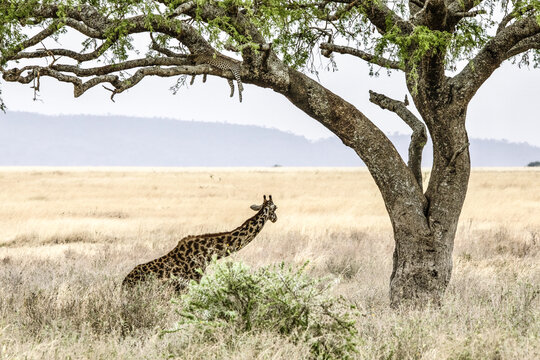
{"type": "Point", "coordinates": [506, 107]}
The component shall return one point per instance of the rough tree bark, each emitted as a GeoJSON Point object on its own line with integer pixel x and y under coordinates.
{"type": "Point", "coordinates": [424, 224]}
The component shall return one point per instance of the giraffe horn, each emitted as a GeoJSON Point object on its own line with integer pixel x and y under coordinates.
{"type": "Point", "coordinates": [264, 197]}
{"type": "Point", "coordinates": [270, 197]}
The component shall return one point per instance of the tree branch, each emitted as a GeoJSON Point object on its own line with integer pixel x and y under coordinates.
{"type": "Point", "coordinates": [524, 45]}
{"type": "Point", "coordinates": [465, 14]}
{"type": "Point", "coordinates": [183, 8]}
{"type": "Point", "coordinates": [462, 6]}
{"type": "Point", "coordinates": [418, 3]}
{"type": "Point", "coordinates": [164, 51]}
{"type": "Point", "coordinates": [41, 53]}
{"type": "Point", "coordinates": [101, 75]}
{"type": "Point", "coordinates": [90, 22]}
{"type": "Point", "coordinates": [490, 57]}
{"type": "Point", "coordinates": [512, 15]}
{"type": "Point", "coordinates": [383, 17]}
{"type": "Point", "coordinates": [342, 11]}
{"type": "Point", "coordinates": [380, 15]}
{"type": "Point", "coordinates": [36, 39]}
{"type": "Point", "coordinates": [377, 60]}
{"type": "Point", "coordinates": [418, 137]}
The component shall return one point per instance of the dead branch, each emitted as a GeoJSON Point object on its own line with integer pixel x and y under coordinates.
{"type": "Point", "coordinates": [373, 59]}
{"type": "Point", "coordinates": [419, 135]}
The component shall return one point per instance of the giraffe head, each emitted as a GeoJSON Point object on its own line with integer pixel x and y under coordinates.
{"type": "Point", "coordinates": [267, 207]}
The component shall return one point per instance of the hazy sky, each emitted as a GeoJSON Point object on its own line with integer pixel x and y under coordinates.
{"type": "Point", "coordinates": [506, 107]}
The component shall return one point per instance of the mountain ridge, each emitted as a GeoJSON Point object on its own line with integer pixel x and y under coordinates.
{"type": "Point", "coordinates": [29, 139]}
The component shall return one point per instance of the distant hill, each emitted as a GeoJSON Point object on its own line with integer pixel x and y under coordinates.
{"type": "Point", "coordinates": [85, 140]}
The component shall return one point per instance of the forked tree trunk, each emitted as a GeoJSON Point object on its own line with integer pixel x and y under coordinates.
{"type": "Point", "coordinates": [424, 224]}
{"type": "Point", "coordinates": [422, 262]}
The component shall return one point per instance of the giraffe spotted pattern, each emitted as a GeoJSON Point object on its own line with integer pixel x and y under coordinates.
{"type": "Point", "coordinates": [190, 257]}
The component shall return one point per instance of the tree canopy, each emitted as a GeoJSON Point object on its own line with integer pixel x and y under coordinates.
{"type": "Point", "coordinates": [392, 35]}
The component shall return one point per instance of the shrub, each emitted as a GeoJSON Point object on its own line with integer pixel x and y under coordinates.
{"type": "Point", "coordinates": [280, 298]}
{"type": "Point", "coordinates": [534, 163]}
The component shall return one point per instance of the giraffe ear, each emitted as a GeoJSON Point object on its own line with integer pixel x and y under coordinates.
{"type": "Point", "coordinates": [256, 207]}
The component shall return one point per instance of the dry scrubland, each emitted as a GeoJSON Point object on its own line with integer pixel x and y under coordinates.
{"type": "Point", "coordinates": [68, 237]}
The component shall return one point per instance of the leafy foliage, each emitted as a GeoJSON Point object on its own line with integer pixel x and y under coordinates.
{"type": "Point", "coordinates": [295, 27]}
{"type": "Point", "coordinates": [278, 298]}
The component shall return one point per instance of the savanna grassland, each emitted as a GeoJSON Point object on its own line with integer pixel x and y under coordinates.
{"type": "Point", "coordinates": [69, 236]}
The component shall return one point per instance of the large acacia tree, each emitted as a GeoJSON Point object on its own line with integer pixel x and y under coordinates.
{"type": "Point", "coordinates": [446, 48]}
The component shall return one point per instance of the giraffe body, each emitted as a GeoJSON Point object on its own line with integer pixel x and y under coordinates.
{"type": "Point", "coordinates": [188, 260]}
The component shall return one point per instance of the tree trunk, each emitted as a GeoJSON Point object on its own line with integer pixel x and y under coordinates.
{"type": "Point", "coordinates": [422, 262]}
{"type": "Point", "coordinates": [421, 269]}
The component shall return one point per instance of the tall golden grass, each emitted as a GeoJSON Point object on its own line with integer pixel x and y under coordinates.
{"type": "Point", "coordinates": [68, 236]}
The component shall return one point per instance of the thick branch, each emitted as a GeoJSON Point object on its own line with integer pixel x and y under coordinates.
{"type": "Point", "coordinates": [87, 20]}
{"type": "Point", "coordinates": [383, 18]}
{"type": "Point", "coordinates": [36, 39]}
{"type": "Point", "coordinates": [433, 15]}
{"type": "Point", "coordinates": [380, 15]}
{"type": "Point", "coordinates": [418, 137]}
{"type": "Point", "coordinates": [377, 60]}
{"type": "Point", "coordinates": [512, 15]}
{"type": "Point", "coordinates": [41, 53]}
{"type": "Point", "coordinates": [524, 45]}
{"type": "Point", "coordinates": [101, 75]}
{"type": "Point", "coordinates": [494, 52]}
{"type": "Point", "coordinates": [462, 6]}
{"type": "Point", "coordinates": [155, 46]}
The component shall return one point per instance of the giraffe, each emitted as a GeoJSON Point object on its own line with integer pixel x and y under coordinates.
{"type": "Point", "coordinates": [188, 260]}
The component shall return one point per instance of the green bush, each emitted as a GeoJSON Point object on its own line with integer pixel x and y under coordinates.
{"type": "Point", "coordinates": [280, 298]}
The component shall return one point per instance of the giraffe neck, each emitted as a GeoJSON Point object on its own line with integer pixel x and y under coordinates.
{"type": "Point", "coordinates": [251, 227]}
{"type": "Point", "coordinates": [222, 244]}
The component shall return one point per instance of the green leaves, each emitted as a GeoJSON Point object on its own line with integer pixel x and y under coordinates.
{"type": "Point", "coordinates": [294, 27]}
{"type": "Point", "coordinates": [280, 298]}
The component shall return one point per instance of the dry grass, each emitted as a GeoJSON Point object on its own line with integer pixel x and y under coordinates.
{"type": "Point", "coordinates": [67, 238]}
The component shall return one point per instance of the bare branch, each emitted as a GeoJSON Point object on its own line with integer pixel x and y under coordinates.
{"type": "Point", "coordinates": [183, 8]}
{"type": "Point", "coordinates": [80, 87]}
{"type": "Point", "coordinates": [465, 14]}
{"type": "Point", "coordinates": [377, 60]}
{"type": "Point", "coordinates": [41, 53]}
{"type": "Point", "coordinates": [155, 46]}
{"type": "Point", "coordinates": [36, 39]}
{"type": "Point", "coordinates": [123, 66]}
{"type": "Point", "coordinates": [419, 135]}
